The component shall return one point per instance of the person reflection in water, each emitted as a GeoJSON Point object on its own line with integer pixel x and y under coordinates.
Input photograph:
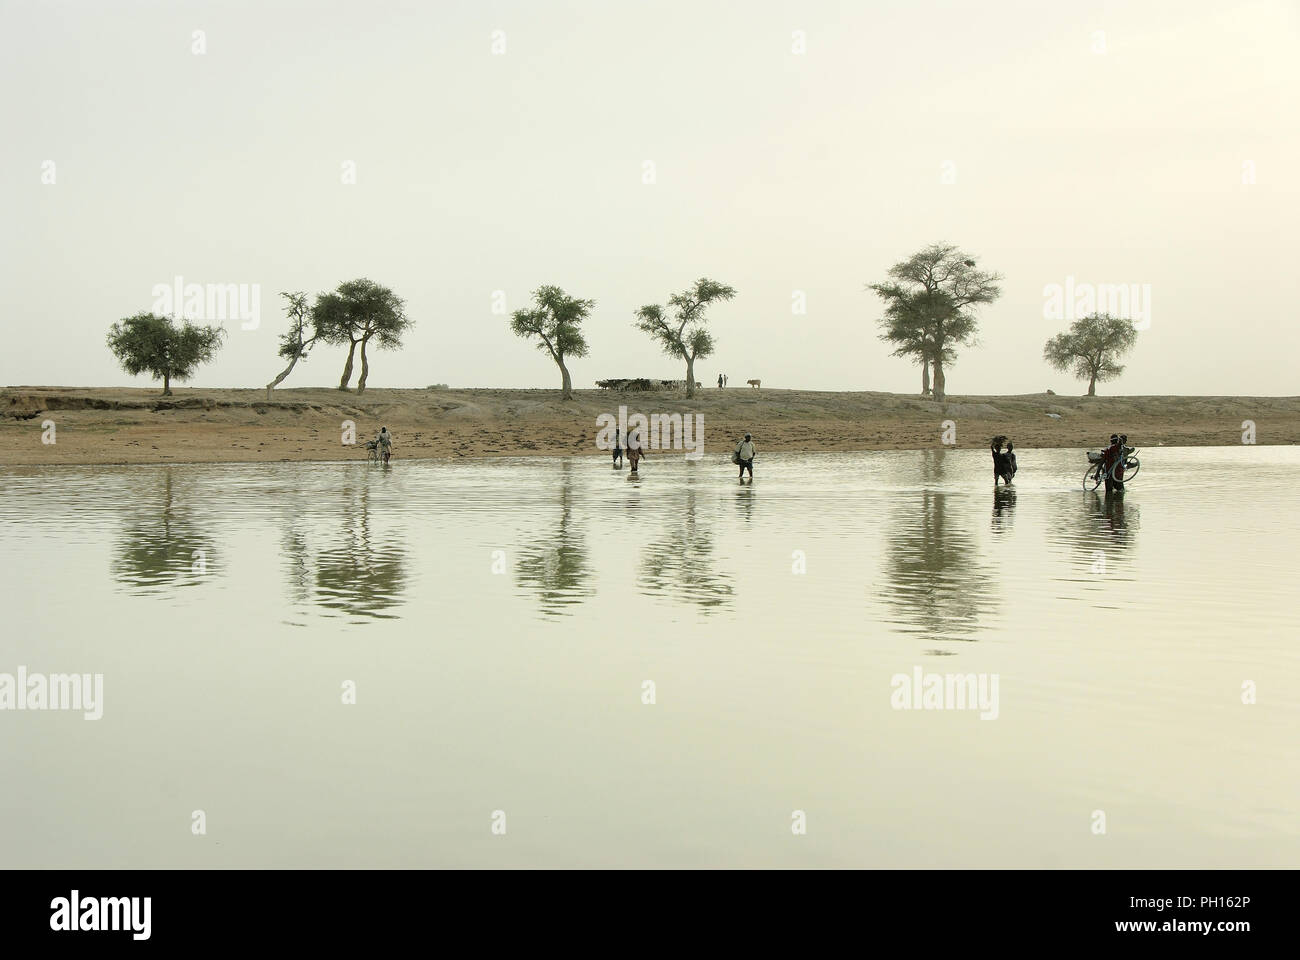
{"type": "Point", "coordinates": [1004, 504]}
{"type": "Point", "coordinates": [1109, 521]}
{"type": "Point", "coordinates": [1114, 509]}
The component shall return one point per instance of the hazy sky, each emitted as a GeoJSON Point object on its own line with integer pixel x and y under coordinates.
{"type": "Point", "coordinates": [1107, 142]}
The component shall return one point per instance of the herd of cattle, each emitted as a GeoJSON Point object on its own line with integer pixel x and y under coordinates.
{"type": "Point", "coordinates": [641, 383]}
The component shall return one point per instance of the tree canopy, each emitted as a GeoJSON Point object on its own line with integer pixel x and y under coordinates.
{"type": "Point", "coordinates": [153, 344]}
{"type": "Point", "coordinates": [930, 302]}
{"type": "Point", "coordinates": [1091, 348]}
{"type": "Point", "coordinates": [556, 323]}
{"type": "Point", "coordinates": [294, 342]}
{"type": "Point", "coordinates": [681, 328]}
{"type": "Point", "coordinates": [359, 312]}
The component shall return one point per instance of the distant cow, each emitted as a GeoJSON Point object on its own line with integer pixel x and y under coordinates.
{"type": "Point", "coordinates": [755, 383]}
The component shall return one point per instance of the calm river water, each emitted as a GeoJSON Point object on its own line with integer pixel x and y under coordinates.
{"type": "Point", "coordinates": [504, 623]}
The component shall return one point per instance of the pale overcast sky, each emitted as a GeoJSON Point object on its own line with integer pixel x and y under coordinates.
{"type": "Point", "coordinates": [1107, 142]}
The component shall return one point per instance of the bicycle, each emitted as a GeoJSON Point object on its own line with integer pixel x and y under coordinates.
{"type": "Point", "coordinates": [372, 451]}
{"type": "Point", "coordinates": [1097, 473]}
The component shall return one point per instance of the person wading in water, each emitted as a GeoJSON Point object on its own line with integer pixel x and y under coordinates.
{"type": "Point", "coordinates": [1112, 459]}
{"type": "Point", "coordinates": [1004, 464]}
{"type": "Point", "coordinates": [634, 451]}
{"type": "Point", "coordinates": [744, 456]}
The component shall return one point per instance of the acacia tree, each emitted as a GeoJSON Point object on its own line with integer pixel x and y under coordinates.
{"type": "Point", "coordinates": [358, 312]}
{"type": "Point", "coordinates": [904, 326]}
{"type": "Point", "coordinates": [556, 322]}
{"type": "Point", "coordinates": [1091, 348]}
{"type": "Point", "coordinates": [933, 295]}
{"type": "Point", "coordinates": [680, 327]}
{"type": "Point", "coordinates": [148, 343]}
{"type": "Point", "coordinates": [294, 343]}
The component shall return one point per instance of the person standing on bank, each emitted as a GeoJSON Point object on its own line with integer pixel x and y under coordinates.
{"type": "Point", "coordinates": [744, 456]}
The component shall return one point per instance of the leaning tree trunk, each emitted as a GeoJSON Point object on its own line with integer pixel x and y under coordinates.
{"type": "Point", "coordinates": [690, 376]}
{"type": "Point", "coordinates": [938, 381]}
{"type": "Point", "coordinates": [925, 378]}
{"type": "Point", "coordinates": [1092, 386]}
{"type": "Point", "coordinates": [365, 369]}
{"type": "Point", "coordinates": [347, 367]}
{"type": "Point", "coordinates": [281, 378]}
{"type": "Point", "coordinates": [566, 386]}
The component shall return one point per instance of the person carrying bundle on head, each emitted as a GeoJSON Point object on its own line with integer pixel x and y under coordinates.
{"type": "Point", "coordinates": [1004, 464]}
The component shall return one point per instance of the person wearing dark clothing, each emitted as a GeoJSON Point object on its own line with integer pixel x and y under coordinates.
{"type": "Point", "coordinates": [618, 449]}
{"type": "Point", "coordinates": [1112, 462]}
{"type": "Point", "coordinates": [1004, 464]}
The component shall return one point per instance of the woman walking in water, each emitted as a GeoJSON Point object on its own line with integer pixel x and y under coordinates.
{"type": "Point", "coordinates": [634, 451]}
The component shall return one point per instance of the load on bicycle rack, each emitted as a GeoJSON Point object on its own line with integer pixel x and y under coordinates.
{"type": "Point", "coordinates": [1098, 472]}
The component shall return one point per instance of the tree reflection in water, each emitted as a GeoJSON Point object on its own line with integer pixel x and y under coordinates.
{"type": "Point", "coordinates": [556, 569]}
{"type": "Point", "coordinates": [164, 542]}
{"type": "Point", "coordinates": [938, 583]}
{"type": "Point", "coordinates": [680, 561]}
{"type": "Point", "coordinates": [357, 574]}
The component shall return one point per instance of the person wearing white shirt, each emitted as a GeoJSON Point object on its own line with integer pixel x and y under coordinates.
{"type": "Point", "coordinates": [745, 457]}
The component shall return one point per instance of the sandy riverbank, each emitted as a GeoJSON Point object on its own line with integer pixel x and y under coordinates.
{"type": "Point", "coordinates": [117, 425]}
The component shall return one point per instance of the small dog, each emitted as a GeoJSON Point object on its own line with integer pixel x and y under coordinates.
{"type": "Point", "coordinates": [1004, 464]}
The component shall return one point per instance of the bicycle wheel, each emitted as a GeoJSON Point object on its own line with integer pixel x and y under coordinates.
{"type": "Point", "coordinates": [1092, 479]}
{"type": "Point", "coordinates": [1131, 466]}
{"type": "Point", "coordinates": [372, 455]}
